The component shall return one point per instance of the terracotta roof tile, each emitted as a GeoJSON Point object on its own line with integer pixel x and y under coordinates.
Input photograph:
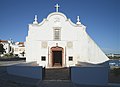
{"type": "Point", "coordinates": [4, 41]}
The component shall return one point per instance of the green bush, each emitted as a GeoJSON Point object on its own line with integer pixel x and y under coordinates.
{"type": "Point", "coordinates": [114, 57]}
{"type": "Point", "coordinates": [8, 55]}
{"type": "Point", "coordinates": [116, 71]}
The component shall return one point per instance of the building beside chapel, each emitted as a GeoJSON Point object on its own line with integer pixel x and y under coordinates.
{"type": "Point", "coordinates": [58, 41]}
{"type": "Point", "coordinates": [16, 48]}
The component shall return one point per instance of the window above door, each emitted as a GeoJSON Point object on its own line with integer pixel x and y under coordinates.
{"type": "Point", "coordinates": [57, 34]}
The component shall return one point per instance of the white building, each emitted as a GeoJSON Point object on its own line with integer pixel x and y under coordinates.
{"type": "Point", "coordinates": [113, 55]}
{"type": "Point", "coordinates": [59, 41]}
{"type": "Point", "coordinates": [19, 49]}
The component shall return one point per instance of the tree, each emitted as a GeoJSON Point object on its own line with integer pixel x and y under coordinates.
{"type": "Point", "coordinates": [2, 50]}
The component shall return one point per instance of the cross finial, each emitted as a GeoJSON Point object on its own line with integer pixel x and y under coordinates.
{"type": "Point", "coordinates": [57, 7]}
{"type": "Point", "coordinates": [78, 20]}
{"type": "Point", "coordinates": [35, 20]}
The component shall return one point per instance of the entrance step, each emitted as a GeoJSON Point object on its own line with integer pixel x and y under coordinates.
{"type": "Point", "coordinates": [57, 74]}
{"type": "Point", "coordinates": [57, 65]}
{"type": "Point", "coordinates": [54, 83]}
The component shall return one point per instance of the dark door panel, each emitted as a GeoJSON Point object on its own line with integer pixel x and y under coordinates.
{"type": "Point", "coordinates": [57, 57]}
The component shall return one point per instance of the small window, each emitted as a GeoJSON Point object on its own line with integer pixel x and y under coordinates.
{"type": "Point", "coordinates": [16, 55]}
{"type": "Point", "coordinates": [43, 58]}
{"type": "Point", "coordinates": [70, 58]}
{"type": "Point", "coordinates": [56, 34]}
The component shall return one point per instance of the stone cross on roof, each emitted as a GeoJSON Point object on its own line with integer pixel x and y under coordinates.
{"type": "Point", "coordinates": [35, 18]}
{"type": "Point", "coordinates": [57, 7]}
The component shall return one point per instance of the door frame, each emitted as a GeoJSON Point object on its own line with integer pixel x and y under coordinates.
{"type": "Point", "coordinates": [56, 48]}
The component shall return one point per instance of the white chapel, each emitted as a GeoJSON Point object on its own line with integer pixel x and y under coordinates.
{"type": "Point", "coordinates": [57, 41]}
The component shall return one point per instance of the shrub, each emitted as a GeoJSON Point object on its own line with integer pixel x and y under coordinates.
{"type": "Point", "coordinates": [116, 71]}
{"type": "Point", "coordinates": [8, 55]}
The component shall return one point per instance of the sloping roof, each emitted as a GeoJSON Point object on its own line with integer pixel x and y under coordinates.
{"type": "Point", "coordinates": [3, 41]}
{"type": "Point", "coordinates": [21, 44]}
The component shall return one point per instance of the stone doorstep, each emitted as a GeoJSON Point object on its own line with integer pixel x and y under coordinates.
{"type": "Point", "coordinates": [56, 83]}
{"type": "Point", "coordinates": [55, 67]}
{"type": "Point", "coordinates": [57, 80]}
{"type": "Point", "coordinates": [57, 74]}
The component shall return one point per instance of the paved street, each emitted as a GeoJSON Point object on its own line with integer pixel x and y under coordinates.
{"type": "Point", "coordinates": [69, 84]}
{"type": "Point", "coordinates": [7, 80]}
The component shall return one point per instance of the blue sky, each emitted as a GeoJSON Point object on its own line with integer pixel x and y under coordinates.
{"type": "Point", "coordinates": [102, 18]}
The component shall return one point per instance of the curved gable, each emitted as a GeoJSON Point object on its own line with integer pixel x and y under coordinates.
{"type": "Point", "coordinates": [56, 13]}
{"type": "Point", "coordinates": [57, 17]}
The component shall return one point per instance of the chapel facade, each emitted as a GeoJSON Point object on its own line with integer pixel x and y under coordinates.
{"type": "Point", "coordinates": [57, 41]}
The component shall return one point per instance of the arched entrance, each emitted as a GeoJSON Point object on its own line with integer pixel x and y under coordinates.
{"type": "Point", "coordinates": [56, 56]}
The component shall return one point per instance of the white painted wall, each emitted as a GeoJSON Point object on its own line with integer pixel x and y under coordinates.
{"type": "Point", "coordinates": [26, 70]}
{"type": "Point", "coordinates": [84, 48]}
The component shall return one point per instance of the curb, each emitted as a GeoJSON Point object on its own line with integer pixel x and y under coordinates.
{"type": "Point", "coordinates": [114, 84]}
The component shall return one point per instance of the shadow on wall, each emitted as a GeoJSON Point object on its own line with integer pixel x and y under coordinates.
{"type": "Point", "coordinates": [90, 74]}
{"type": "Point", "coordinates": [26, 70]}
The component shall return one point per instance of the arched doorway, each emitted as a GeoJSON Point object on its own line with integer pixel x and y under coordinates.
{"type": "Point", "coordinates": [57, 56]}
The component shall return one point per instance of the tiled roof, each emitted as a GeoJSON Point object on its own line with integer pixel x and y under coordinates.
{"type": "Point", "coordinates": [21, 44]}
{"type": "Point", "coordinates": [3, 41]}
